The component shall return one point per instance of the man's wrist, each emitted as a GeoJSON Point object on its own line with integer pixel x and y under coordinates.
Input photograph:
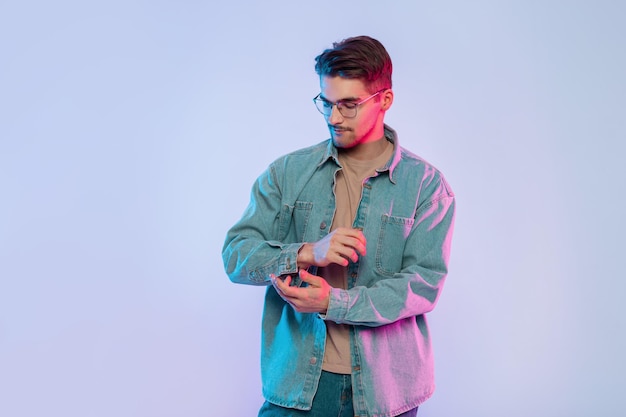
{"type": "Point", "coordinates": [305, 256]}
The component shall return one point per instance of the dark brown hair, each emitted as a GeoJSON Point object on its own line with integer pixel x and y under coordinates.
{"type": "Point", "coordinates": [360, 57]}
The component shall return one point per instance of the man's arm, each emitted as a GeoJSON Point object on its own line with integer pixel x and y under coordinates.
{"type": "Point", "coordinates": [339, 246]}
{"type": "Point", "coordinates": [251, 250]}
{"type": "Point", "coordinates": [413, 290]}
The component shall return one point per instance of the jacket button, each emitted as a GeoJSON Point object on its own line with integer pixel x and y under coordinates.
{"type": "Point", "coordinates": [323, 225]}
{"type": "Point", "coordinates": [313, 361]}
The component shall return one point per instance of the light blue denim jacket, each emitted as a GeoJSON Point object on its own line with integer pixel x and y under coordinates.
{"type": "Point", "coordinates": [406, 213]}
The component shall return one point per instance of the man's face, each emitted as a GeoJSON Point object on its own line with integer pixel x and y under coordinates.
{"type": "Point", "coordinates": [368, 124]}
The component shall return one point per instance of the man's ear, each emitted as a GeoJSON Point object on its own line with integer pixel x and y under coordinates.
{"type": "Point", "coordinates": [387, 99]}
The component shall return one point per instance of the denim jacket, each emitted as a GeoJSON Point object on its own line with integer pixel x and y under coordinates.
{"type": "Point", "coordinates": [406, 213]}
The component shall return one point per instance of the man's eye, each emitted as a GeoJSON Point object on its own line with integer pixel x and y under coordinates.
{"type": "Point", "coordinates": [327, 104]}
{"type": "Point", "coordinates": [349, 105]}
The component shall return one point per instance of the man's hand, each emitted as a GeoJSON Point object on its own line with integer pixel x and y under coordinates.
{"type": "Point", "coordinates": [313, 298]}
{"type": "Point", "coordinates": [338, 247]}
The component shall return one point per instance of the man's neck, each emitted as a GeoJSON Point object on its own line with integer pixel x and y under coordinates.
{"type": "Point", "coordinates": [366, 151]}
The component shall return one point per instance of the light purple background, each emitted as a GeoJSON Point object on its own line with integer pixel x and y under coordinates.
{"type": "Point", "coordinates": [131, 132]}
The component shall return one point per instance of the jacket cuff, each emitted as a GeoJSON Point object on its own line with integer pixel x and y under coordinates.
{"type": "Point", "coordinates": [337, 305]}
{"type": "Point", "coordinates": [285, 264]}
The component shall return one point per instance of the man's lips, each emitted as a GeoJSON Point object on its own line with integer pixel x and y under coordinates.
{"type": "Point", "coordinates": [339, 129]}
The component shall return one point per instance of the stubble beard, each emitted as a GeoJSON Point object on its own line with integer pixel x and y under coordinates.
{"type": "Point", "coordinates": [342, 139]}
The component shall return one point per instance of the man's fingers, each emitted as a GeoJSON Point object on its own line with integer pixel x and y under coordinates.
{"type": "Point", "coordinates": [356, 234]}
{"type": "Point", "coordinates": [309, 299]}
{"type": "Point", "coordinates": [349, 253]}
{"type": "Point", "coordinates": [339, 247]}
{"type": "Point", "coordinates": [281, 285]}
{"type": "Point", "coordinates": [309, 278]}
{"type": "Point", "coordinates": [355, 241]}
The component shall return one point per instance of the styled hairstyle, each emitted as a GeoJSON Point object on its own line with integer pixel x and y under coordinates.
{"type": "Point", "coordinates": [360, 57]}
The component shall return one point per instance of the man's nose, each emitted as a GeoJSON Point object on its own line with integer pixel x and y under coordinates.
{"type": "Point", "coordinates": [335, 116]}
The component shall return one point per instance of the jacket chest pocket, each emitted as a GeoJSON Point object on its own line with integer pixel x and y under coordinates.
{"type": "Point", "coordinates": [293, 221]}
{"type": "Point", "coordinates": [393, 234]}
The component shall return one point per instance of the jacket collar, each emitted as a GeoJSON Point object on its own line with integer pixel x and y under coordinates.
{"type": "Point", "coordinates": [390, 135]}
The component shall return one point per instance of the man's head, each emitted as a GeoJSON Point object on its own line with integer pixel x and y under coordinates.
{"type": "Point", "coordinates": [355, 83]}
{"type": "Point", "coordinates": [361, 58]}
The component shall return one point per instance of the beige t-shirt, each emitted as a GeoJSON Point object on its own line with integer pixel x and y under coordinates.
{"type": "Point", "coordinates": [348, 188]}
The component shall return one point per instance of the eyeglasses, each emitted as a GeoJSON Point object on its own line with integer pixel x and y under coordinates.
{"type": "Point", "coordinates": [348, 109]}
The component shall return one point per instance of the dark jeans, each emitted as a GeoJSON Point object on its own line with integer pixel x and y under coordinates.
{"type": "Point", "coordinates": [332, 399]}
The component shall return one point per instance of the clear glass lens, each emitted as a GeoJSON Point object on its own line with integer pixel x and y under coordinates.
{"type": "Point", "coordinates": [325, 107]}
{"type": "Point", "coordinates": [347, 110]}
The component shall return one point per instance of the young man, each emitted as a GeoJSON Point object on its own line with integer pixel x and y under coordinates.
{"type": "Point", "coordinates": [352, 238]}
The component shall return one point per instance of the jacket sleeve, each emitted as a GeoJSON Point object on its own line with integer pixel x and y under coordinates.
{"type": "Point", "coordinates": [415, 289]}
{"type": "Point", "coordinates": [252, 249]}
